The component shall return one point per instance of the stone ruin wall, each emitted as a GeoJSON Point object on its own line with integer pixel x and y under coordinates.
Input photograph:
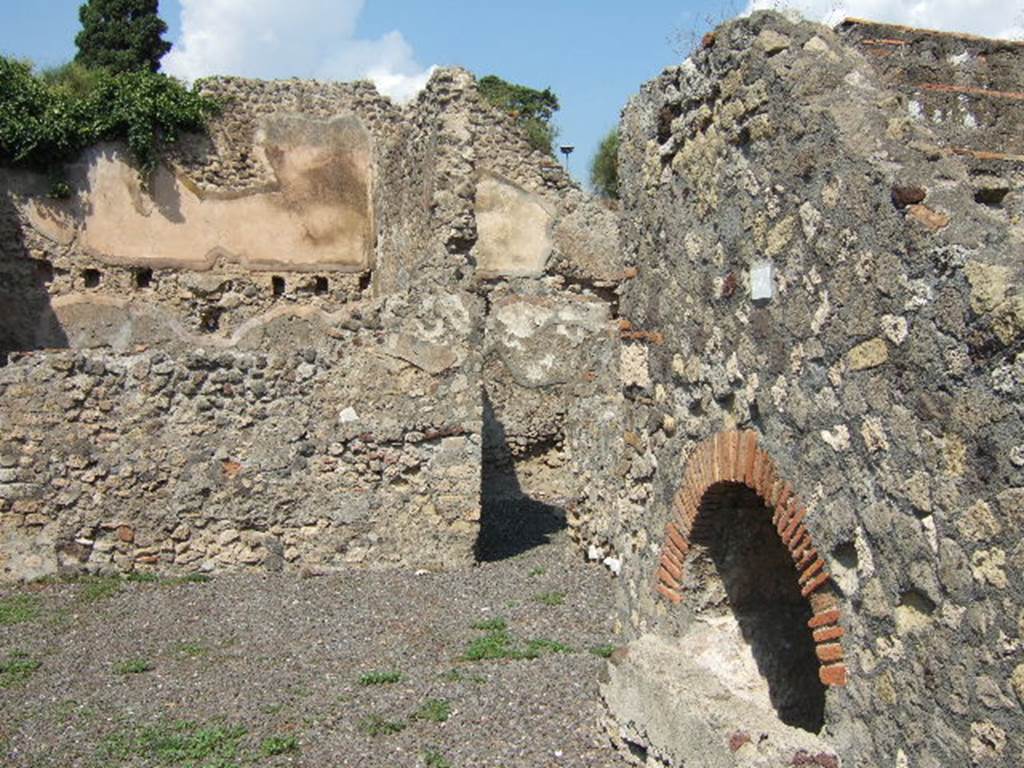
{"type": "Point", "coordinates": [273, 357]}
{"type": "Point", "coordinates": [878, 173]}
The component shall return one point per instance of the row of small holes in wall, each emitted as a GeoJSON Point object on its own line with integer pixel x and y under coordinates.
{"type": "Point", "coordinates": [144, 279]}
{"type": "Point", "coordinates": [320, 286]}
{"type": "Point", "coordinates": [93, 277]}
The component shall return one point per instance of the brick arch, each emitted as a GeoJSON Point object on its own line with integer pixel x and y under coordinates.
{"type": "Point", "coordinates": [734, 457]}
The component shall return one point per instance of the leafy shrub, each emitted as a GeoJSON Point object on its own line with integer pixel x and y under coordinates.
{"type": "Point", "coordinates": [604, 168]}
{"type": "Point", "coordinates": [47, 120]}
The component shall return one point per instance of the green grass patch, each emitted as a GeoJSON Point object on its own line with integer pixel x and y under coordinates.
{"type": "Point", "coordinates": [96, 588]}
{"type": "Point", "coordinates": [192, 650]}
{"type": "Point", "coordinates": [278, 745]}
{"type": "Point", "coordinates": [550, 598]}
{"type": "Point", "coordinates": [143, 577]}
{"type": "Point", "coordinates": [434, 759]}
{"type": "Point", "coordinates": [189, 578]}
{"type": "Point", "coordinates": [17, 609]}
{"type": "Point", "coordinates": [133, 667]}
{"type": "Point", "coordinates": [183, 744]}
{"type": "Point", "coordinates": [16, 668]}
{"type": "Point", "coordinates": [538, 571]}
{"type": "Point", "coordinates": [491, 625]}
{"type": "Point", "coordinates": [499, 643]}
{"type": "Point", "coordinates": [536, 648]}
{"type": "Point", "coordinates": [375, 725]}
{"type": "Point", "coordinates": [380, 677]}
{"type": "Point", "coordinates": [604, 651]}
{"type": "Point", "coordinates": [434, 711]}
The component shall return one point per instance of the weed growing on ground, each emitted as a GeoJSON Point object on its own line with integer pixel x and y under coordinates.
{"type": "Point", "coordinates": [380, 677]}
{"type": "Point", "coordinates": [278, 745]}
{"type": "Point", "coordinates": [133, 667]}
{"type": "Point", "coordinates": [183, 744]}
{"type": "Point", "coordinates": [435, 759]}
{"type": "Point", "coordinates": [17, 609]}
{"type": "Point", "coordinates": [434, 711]}
{"type": "Point", "coordinates": [550, 598]}
{"type": "Point", "coordinates": [191, 649]}
{"type": "Point", "coordinates": [538, 571]}
{"type": "Point", "coordinates": [17, 668]}
{"type": "Point", "coordinates": [375, 725]}
{"type": "Point", "coordinates": [536, 648]}
{"type": "Point", "coordinates": [99, 587]}
{"type": "Point", "coordinates": [142, 577]}
{"type": "Point", "coordinates": [604, 651]}
{"type": "Point", "coordinates": [499, 643]}
{"type": "Point", "coordinates": [190, 578]}
{"type": "Point", "coordinates": [491, 625]}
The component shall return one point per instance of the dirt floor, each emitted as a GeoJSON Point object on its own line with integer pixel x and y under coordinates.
{"type": "Point", "coordinates": [495, 665]}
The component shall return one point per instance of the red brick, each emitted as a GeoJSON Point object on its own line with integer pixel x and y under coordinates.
{"type": "Point", "coordinates": [812, 569]}
{"type": "Point", "coordinates": [825, 634]}
{"type": "Point", "coordinates": [670, 594]}
{"type": "Point", "coordinates": [674, 569]}
{"type": "Point", "coordinates": [735, 462]}
{"type": "Point", "coordinates": [676, 537]}
{"type": "Point", "coordinates": [755, 469]}
{"type": "Point", "coordinates": [833, 675]}
{"type": "Point", "coordinates": [823, 601]}
{"type": "Point", "coordinates": [814, 583]}
{"type": "Point", "coordinates": [830, 652]}
{"type": "Point", "coordinates": [749, 455]}
{"type": "Point", "coordinates": [779, 514]}
{"type": "Point", "coordinates": [793, 538]}
{"type": "Point", "coordinates": [676, 561]}
{"type": "Point", "coordinates": [667, 578]}
{"type": "Point", "coordinates": [807, 554]}
{"type": "Point", "coordinates": [797, 516]}
{"type": "Point", "coordinates": [824, 619]}
{"type": "Point", "coordinates": [782, 502]}
{"type": "Point", "coordinates": [670, 549]}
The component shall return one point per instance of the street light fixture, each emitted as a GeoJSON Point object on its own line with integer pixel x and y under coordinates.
{"type": "Point", "coordinates": [567, 149]}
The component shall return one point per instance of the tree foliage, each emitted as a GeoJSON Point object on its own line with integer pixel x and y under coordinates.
{"type": "Point", "coordinates": [604, 168]}
{"type": "Point", "coordinates": [48, 120]}
{"type": "Point", "coordinates": [533, 109]}
{"type": "Point", "coordinates": [121, 35]}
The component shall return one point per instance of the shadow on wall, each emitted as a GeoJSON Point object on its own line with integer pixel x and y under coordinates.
{"type": "Point", "coordinates": [27, 320]}
{"type": "Point", "coordinates": [510, 521]}
{"type": "Point", "coordinates": [735, 530]}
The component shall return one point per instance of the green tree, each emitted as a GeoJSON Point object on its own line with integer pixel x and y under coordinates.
{"type": "Point", "coordinates": [533, 109]}
{"type": "Point", "coordinates": [121, 35]}
{"type": "Point", "coordinates": [604, 168]}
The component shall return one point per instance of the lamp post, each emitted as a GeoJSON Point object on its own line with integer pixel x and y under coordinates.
{"type": "Point", "coordinates": [567, 149]}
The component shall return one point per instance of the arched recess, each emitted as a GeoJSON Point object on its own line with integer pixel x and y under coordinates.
{"type": "Point", "coordinates": [734, 458]}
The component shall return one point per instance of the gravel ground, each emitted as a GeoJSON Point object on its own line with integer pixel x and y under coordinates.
{"type": "Point", "coordinates": [261, 670]}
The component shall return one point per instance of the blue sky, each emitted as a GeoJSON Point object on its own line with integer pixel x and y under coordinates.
{"type": "Point", "coordinates": [593, 53]}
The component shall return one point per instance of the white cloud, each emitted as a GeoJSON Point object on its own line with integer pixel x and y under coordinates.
{"type": "Point", "coordinates": [291, 38]}
{"type": "Point", "coordinates": [991, 18]}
